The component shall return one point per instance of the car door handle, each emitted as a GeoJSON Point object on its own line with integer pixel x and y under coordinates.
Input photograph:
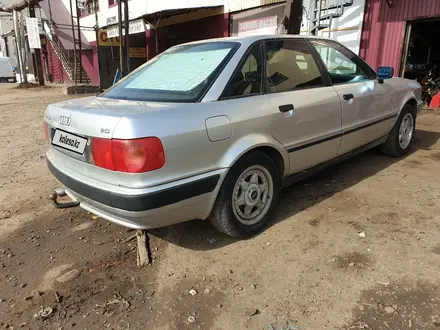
{"type": "Point", "coordinates": [348, 97]}
{"type": "Point", "coordinates": [286, 107]}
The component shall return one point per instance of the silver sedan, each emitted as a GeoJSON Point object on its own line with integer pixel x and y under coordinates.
{"type": "Point", "coordinates": [214, 129]}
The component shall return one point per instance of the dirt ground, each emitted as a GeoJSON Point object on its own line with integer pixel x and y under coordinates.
{"type": "Point", "coordinates": [310, 269]}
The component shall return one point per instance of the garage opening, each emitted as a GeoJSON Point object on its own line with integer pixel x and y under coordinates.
{"type": "Point", "coordinates": [421, 57]}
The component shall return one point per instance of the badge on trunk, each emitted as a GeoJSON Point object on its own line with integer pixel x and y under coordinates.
{"type": "Point", "coordinates": [64, 120]}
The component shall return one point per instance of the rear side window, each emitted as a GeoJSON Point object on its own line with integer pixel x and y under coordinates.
{"type": "Point", "coordinates": [290, 65]}
{"type": "Point", "coordinates": [247, 79]}
{"type": "Point", "coordinates": [342, 65]}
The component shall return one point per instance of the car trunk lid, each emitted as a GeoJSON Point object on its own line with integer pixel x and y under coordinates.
{"type": "Point", "coordinates": [79, 121]}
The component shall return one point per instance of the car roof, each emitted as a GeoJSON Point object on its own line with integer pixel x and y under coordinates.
{"type": "Point", "coordinates": [251, 39]}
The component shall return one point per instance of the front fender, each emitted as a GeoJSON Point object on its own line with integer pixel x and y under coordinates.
{"type": "Point", "coordinates": [408, 98]}
{"type": "Point", "coordinates": [410, 91]}
{"type": "Point", "coordinates": [250, 142]}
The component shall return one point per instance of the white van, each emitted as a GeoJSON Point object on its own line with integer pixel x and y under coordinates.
{"type": "Point", "coordinates": [6, 70]}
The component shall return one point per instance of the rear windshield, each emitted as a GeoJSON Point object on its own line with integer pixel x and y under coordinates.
{"type": "Point", "coordinates": [180, 75]}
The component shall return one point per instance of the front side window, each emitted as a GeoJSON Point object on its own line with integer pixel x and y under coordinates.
{"type": "Point", "coordinates": [247, 79]}
{"type": "Point", "coordinates": [342, 66]}
{"type": "Point", "coordinates": [290, 65]}
{"type": "Point", "coordinates": [182, 74]}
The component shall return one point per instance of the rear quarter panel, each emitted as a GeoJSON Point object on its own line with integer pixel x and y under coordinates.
{"type": "Point", "coordinates": [188, 149]}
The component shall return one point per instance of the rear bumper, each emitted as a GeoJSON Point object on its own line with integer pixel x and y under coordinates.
{"type": "Point", "coordinates": [146, 208]}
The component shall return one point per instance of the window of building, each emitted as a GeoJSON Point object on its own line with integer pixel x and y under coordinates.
{"type": "Point", "coordinates": [247, 79]}
{"type": "Point", "coordinates": [290, 66]}
{"type": "Point", "coordinates": [112, 2]}
{"type": "Point", "coordinates": [342, 65]}
{"type": "Point", "coordinates": [87, 7]}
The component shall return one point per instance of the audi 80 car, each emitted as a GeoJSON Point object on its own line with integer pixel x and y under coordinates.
{"type": "Point", "coordinates": [214, 129]}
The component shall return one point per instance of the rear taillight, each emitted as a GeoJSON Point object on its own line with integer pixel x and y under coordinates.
{"type": "Point", "coordinates": [102, 153]}
{"type": "Point", "coordinates": [46, 131]}
{"type": "Point", "coordinates": [132, 156]}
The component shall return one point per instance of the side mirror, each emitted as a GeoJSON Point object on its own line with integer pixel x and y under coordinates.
{"type": "Point", "coordinates": [385, 72]}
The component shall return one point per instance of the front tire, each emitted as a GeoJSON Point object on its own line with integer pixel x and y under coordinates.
{"type": "Point", "coordinates": [247, 197]}
{"type": "Point", "coordinates": [400, 137]}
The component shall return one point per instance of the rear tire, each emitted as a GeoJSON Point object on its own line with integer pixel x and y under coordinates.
{"type": "Point", "coordinates": [400, 137]}
{"type": "Point", "coordinates": [247, 197]}
{"type": "Point", "coordinates": [3, 80]}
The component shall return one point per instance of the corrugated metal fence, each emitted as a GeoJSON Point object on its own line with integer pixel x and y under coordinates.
{"type": "Point", "coordinates": [384, 28]}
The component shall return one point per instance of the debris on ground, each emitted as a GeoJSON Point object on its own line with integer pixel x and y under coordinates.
{"type": "Point", "coordinates": [191, 319]}
{"type": "Point", "coordinates": [128, 239]}
{"type": "Point", "coordinates": [211, 241]}
{"type": "Point", "coordinates": [252, 312]}
{"type": "Point", "coordinates": [27, 85]}
{"type": "Point", "coordinates": [115, 305]}
{"type": "Point", "coordinates": [44, 312]}
{"type": "Point", "coordinates": [313, 309]}
{"type": "Point", "coordinates": [362, 234]}
{"type": "Point", "coordinates": [383, 283]}
{"type": "Point", "coordinates": [360, 325]}
{"type": "Point", "coordinates": [192, 292]}
{"type": "Point", "coordinates": [70, 275]}
{"type": "Point", "coordinates": [7, 215]}
{"type": "Point", "coordinates": [143, 252]}
{"type": "Point", "coordinates": [286, 327]}
{"type": "Point", "coordinates": [389, 310]}
{"type": "Point", "coordinates": [37, 293]}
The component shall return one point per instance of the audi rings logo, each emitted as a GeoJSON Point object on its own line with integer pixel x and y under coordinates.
{"type": "Point", "coordinates": [64, 120]}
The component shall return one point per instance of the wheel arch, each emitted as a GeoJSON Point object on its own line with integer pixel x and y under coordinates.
{"type": "Point", "coordinates": [252, 143]}
{"type": "Point", "coordinates": [412, 102]}
{"type": "Point", "coordinates": [409, 99]}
